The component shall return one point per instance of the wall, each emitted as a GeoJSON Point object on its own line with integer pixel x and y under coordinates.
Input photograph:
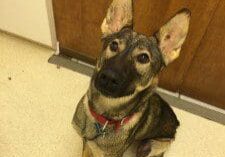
{"type": "Point", "coordinates": [29, 19]}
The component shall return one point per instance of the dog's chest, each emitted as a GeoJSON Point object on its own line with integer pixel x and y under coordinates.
{"type": "Point", "coordinates": [109, 138]}
{"type": "Point", "coordinates": [115, 140]}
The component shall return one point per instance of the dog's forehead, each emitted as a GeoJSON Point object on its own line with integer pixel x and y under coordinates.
{"type": "Point", "coordinates": [140, 40]}
{"type": "Point", "coordinates": [132, 40]}
{"type": "Point", "coordinates": [133, 37]}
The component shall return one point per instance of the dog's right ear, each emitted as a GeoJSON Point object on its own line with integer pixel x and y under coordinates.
{"type": "Point", "coordinates": [172, 35]}
{"type": "Point", "coordinates": [119, 15]}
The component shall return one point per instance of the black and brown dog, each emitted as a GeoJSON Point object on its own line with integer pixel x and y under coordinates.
{"type": "Point", "coordinates": [120, 107]}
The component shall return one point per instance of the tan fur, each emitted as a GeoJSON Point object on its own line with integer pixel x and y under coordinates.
{"type": "Point", "coordinates": [141, 68]}
{"type": "Point", "coordinates": [118, 16]}
{"type": "Point", "coordinates": [133, 121]}
{"type": "Point", "coordinates": [107, 102]}
{"type": "Point", "coordinates": [87, 152]}
{"type": "Point", "coordinates": [95, 150]}
{"type": "Point", "coordinates": [172, 35]}
{"type": "Point", "coordinates": [172, 56]}
{"type": "Point", "coordinates": [110, 103]}
{"type": "Point", "coordinates": [98, 66]}
{"type": "Point", "coordinates": [153, 82]}
{"type": "Point", "coordinates": [143, 87]}
{"type": "Point", "coordinates": [109, 53]}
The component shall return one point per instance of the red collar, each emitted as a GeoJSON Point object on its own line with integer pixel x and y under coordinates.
{"type": "Point", "coordinates": [103, 120]}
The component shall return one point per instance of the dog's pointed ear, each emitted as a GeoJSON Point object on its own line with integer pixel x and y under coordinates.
{"type": "Point", "coordinates": [172, 35]}
{"type": "Point", "coordinates": [118, 16]}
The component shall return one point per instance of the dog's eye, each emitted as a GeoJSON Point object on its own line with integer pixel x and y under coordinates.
{"type": "Point", "coordinates": [143, 58]}
{"type": "Point", "coordinates": [114, 46]}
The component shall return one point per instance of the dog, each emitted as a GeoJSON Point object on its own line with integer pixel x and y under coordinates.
{"type": "Point", "coordinates": [121, 107]}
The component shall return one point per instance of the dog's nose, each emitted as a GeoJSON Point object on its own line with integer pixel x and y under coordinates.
{"type": "Point", "coordinates": [110, 81]}
{"type": "Point", "coordinates": [109, 78]}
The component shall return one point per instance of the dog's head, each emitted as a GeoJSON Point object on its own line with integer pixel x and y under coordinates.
{"type": "Point", "coordinates": [130, 62]}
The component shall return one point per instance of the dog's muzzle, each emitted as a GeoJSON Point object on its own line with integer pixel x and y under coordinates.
{"type": "Point", "coordinates": [109, 82]}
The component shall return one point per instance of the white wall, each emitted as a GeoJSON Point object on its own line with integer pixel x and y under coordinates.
{"type": "Point", "coordinates": [27, 18]}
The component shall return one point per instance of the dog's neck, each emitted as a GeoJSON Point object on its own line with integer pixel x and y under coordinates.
{"type": "Point", "coordinates": [119, 111]}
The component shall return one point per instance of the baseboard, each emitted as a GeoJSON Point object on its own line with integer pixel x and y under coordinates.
{"type": "Point", "coordinates": [26, 39]}
{"type": "Point", "coordinates": [193, 106]}
{"type": "Point", "coordinates": [72, 64]}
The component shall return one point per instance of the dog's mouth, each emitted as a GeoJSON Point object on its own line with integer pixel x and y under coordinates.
{"type": "Point", "coordinates": [113, 94]}
{"type": "Point", "coordinates": [107, 92]}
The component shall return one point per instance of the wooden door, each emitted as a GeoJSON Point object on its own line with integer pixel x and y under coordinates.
{"type": "Point", "coordinates": [205, 78]}
{"type": "Point", "coordinates": [78, 27]}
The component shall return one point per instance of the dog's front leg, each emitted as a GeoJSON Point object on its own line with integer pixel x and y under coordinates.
{"type": "Point", "coordinates": [153, 147]}
{"type": "Point", "coordinates": [91, 149]}
{"type": "Point", "coordinates": [87, 152]}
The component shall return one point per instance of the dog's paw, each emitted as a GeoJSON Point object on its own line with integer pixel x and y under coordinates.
{"type": "Point", "coordinates": [143, 149]}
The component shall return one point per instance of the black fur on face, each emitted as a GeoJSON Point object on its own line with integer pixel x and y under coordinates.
{"type": "Point", "coordinates": [128, 63]}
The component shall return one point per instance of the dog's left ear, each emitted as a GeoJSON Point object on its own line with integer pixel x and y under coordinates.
{"type": "Point", "coordinates": [172, 35]}
{"type": "Point", "coordinates": [119, 15]}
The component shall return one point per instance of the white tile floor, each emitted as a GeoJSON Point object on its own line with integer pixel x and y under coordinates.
{"type": "Point", "coordinates": [37, 102]}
